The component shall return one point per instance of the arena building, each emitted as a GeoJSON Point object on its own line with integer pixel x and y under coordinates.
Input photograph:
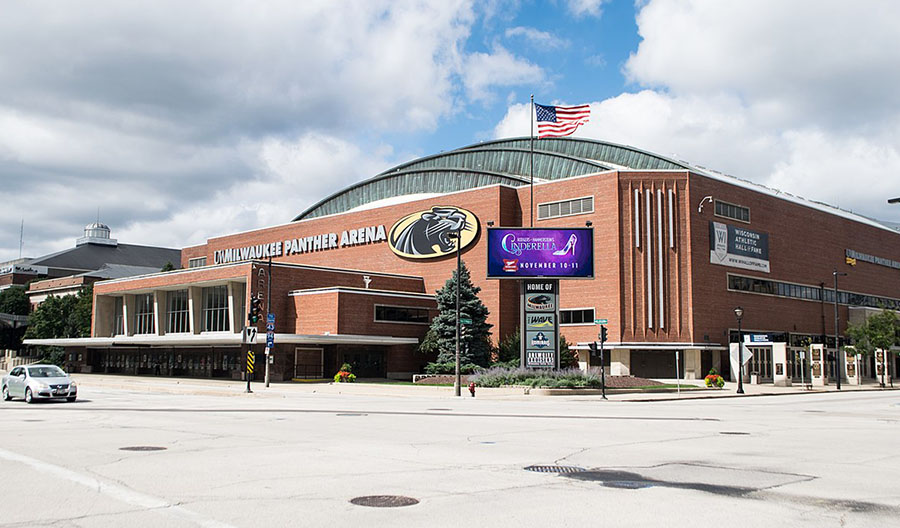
{"type": "Point", "coordinates": [677, 249]}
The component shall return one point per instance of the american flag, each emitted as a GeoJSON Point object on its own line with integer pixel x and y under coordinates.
{"type": "Point", "coordinates": [556, 121]}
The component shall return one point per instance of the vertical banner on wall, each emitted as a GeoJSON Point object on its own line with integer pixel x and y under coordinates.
{"type": "Point", "coordinates": [540, 323]}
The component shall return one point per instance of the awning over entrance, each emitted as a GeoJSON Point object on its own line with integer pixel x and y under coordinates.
{"type": "Point", "coordinates": [221, 340]}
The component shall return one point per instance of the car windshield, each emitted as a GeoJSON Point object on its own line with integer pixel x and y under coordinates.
{"type": "Point", "coordinates": [49, 371]}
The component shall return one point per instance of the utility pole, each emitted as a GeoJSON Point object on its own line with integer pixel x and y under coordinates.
{"type": "Point", "coordinates": [269, 350]}
{"type": "Point", "coordinates": [838, 355]}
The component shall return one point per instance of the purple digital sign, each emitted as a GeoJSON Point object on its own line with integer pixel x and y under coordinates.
{"type": "Point", "coordinates": [543, 252]}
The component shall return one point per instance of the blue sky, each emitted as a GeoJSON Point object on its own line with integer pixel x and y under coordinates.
{"type": "Point", "coordinates": [185, 121]}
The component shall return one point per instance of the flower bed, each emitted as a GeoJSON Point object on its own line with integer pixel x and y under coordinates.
{"type": "Point", "coordinates": [551, 379]}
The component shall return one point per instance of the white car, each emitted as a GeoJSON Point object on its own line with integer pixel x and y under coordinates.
{"type": "Point", "coordinates": [39, 382]}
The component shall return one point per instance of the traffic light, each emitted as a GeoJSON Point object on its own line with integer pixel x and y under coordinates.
{"type": "Point", "coordinates": [593, 346]}
{"type": "Point", "coordinates": [603, 334]}
{"type": "Point", "coordinates": [253, 315]}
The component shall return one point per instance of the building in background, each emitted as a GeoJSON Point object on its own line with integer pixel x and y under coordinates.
{"type": "Point", "coordinates": [677, 249]}
{"type": "Point", "coordinates": [95, 257]}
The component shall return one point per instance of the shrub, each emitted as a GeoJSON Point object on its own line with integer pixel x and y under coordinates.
{"type": "Point", "coordinates": [345, 375]}
{"type": "Point", "coordinates": [714, 379]}
{"type": "Point", "coordinates": [450, 368]}
{"type": "Point", "coordinates": [553, 379]}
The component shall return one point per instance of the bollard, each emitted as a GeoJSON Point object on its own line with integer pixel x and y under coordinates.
{"type": "Point", "coordinates": [472, 388]}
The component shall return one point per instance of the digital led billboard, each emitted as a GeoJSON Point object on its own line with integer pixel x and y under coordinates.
{"type": "Point", "coordinates": [540, 252]}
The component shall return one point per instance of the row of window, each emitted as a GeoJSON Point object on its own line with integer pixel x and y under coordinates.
{"type": "Point", "coordinates": [797, 291]}
{"type": "Point", "coordinates": [566, 208]}
{"type": "Point", "coordinates": [214, 315]}
{"type": "Point", "coordinates": [735, 212]}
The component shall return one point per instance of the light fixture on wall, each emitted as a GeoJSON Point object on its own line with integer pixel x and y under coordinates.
{"type": "Point", "coordinates": [703, 201]}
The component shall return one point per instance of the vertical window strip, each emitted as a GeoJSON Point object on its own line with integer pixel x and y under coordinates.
{"type": "Point", "coordinates": [637, 218]}
{"type": "Point", "coordinates": [120, 318]}
{"type": "Point", "coordinates": [178, 312]}
{"type": "Point", "coordinates": [215, 309]}
{"type": "Point", "coordinates": [659, 253]}
{"type": "Point", "coordinates": [143, 315]}
{"type": "Point", "coordinates": [671, 218]}
{"type": "Point", "coordinates": [649, 250]}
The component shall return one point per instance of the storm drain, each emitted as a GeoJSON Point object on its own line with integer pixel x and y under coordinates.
{"type": "Point", "coordinates": [736, 433]}
{"type": "Point", "coordinates": [351, 414]}
{"type": "Point", "coordinates": [438, 409]}
{"type": "Point", "coordinates": [142, 448]}
{"type": "Point", "coordinates": [555, 469]}
{"type": "Point", "coordinates": [384, 501]}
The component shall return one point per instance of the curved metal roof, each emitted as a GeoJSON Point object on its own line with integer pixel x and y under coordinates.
{"type": "Point", "coordinates": [505, 161]}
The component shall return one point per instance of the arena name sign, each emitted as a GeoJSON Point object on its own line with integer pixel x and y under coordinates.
{"type": "Point", "coordinates": [295, 246]}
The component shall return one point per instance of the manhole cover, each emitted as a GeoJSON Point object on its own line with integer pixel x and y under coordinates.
{"type": "Point", "coordinates": [738, 433]}
{"type": "Point", "coordinates": [627, 484]}
{"type": "Point", "coordinates": [555, 469]}
{"type": "Point", "coordinates": [351, 414]}
{"type": "Point", "coordinates": [438, 409]}
{"type": "Point", "coordinates": [142, 448]}
{"type": "Point", "coordinates": [384, 501]}
{"type": "Point", "coordinates": [33, 420]}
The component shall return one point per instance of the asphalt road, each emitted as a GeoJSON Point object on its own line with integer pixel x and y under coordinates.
{"type": "Point", "coordinates": [813, 460]}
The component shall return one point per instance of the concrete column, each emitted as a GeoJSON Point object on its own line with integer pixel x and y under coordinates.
{"type": "Point", "coordinates": [693, 364]}
{"type": "Point", "coordinates": [780, 365]}
{"type": "Point", "coordinates": [235, 306]}
{"type": "Point", "coordinates": [104, 316]}
{"type": "Point", "coordinates": [159, 311]}
{"type": "Point", "coordinates": [883, 363]}
{"type": "Point", "coordinates": [195, 307]}
{"type": "Point", "coordinates": [818, 366]}
{"type": "Point", "coordinates": [851, 366]}
{"type": "Point", "coordinates": [128, 314]}
{"type": "Point", "coordinates": [583, 358]}
{"type": "Point", "coordinates": [620, 362]}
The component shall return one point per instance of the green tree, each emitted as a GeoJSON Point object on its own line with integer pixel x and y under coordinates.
{"type": "Point", "coordinates": [878, 331]}
{"type": "Point", "coordinates": [168, 267]}
{"type": "Point", "coordinates": [567, 358]}
{"type": "Point", "coordinates": [14, 301]}
{"type": "Point", "coordinates": [475, 345]}
{"type": "Point", "coordinates": [57, 317]}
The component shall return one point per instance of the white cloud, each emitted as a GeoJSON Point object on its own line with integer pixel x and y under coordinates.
{"type": "Point", "coordinates": [537, 38]}
{"type": "Point", "coordinates": [585, 7]}
{"type": "Point", "coordinates": [765, 91]}
{"type": "Point", "coordinates": [172, 117]}
{"type": "Point", "coordinates": [485, 71]}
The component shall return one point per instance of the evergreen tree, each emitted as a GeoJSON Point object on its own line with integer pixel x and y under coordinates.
{"type": "Point", "coordinates": [475, 345]}
{"type": "Point", "coordinates": [14, 301]}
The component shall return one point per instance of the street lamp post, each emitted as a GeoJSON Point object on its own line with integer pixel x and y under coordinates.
{"type": "Point", "coordinates": [457, 235]}
{"type": "Point", "coordinates": [838, 355]}
{"type": "Point", "coordinates": [739, 313]}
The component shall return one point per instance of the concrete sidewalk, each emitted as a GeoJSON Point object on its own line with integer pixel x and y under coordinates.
{"type": "Point", "coordinates": [237, 388]}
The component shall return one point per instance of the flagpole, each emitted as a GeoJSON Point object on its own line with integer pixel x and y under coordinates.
{"type": "Point", "coordinates": [531, 120]}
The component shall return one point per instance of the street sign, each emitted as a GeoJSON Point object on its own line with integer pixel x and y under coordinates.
{"type": "Point", "coordinates": [270, 327]}
{"type": "Point", "coordinates": [250, 335]}
{"type": "Point", "coordinates": [270, 319]}
{"type": "Point", "coordinates": [270, 339]}
{"type": "Point", "coordinates": [465, 320]}
{"type": "Point", "coordinates": [601, 321]}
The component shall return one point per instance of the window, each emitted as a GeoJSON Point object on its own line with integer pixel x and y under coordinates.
{"type": "Point", "coordinates": [215, 309]}
{"type": "Point", "coordinates": [566, 208]}
{"type": "Point", "coordinates": [196, 262]}
{"type": "Point", "coordinates": [120, 318]}
{"type": "Point", "coordinates": [177, 312]}
{"type": "Point", "coordinates": [811, 293]}
{"type": "Point", "coordinates": [143, 314]}
{"type": "Point", "coordinates": [735, 212]}
{"type": "Point", "coordinates": [401, 314]}
{"type": "Point", "coordinates": [577, 316]}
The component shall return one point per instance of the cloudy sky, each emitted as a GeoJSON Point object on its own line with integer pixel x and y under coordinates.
{"type": "Point", "coordinates": [186, 120]}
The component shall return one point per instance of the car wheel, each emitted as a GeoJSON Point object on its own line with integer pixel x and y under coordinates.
{"type": "Point", "coordinates": [29, 398]}
{"type": "Point", "coordinates": [6, 396]}
{"type": "Point", "coordinates": [70, 399]}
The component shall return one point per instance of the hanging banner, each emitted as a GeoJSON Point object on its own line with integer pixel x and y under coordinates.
{"type": "Point", "coordinates": [738, 247]}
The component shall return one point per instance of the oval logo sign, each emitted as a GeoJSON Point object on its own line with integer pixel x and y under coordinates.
{"type": "Point", "coordinates": [426, 234]}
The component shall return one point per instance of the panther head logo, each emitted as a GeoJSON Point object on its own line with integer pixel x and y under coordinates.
{"type": "Point", "coordinates": [427, 233]}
